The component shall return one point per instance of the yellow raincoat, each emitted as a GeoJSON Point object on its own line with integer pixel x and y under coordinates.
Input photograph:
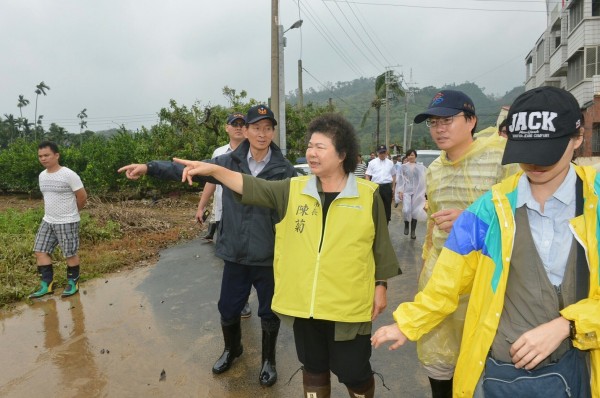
{"type": "Point", "coordinates": [455, 185]}
{"type": "Point", "coordinates": [476, 260]}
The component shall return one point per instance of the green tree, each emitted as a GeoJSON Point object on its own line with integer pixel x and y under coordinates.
{"type": "Point", "coordinates": [381, 91]}
{"type": "Point", "coordinates": [39, 89]}
{"type": "Point", "coordinates": [22, 102]}
{"type": "Point", "coordinates": [11, 123]}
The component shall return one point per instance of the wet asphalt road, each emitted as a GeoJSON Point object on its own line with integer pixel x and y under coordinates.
{"type": "Point", "coordinates": [122, 331]}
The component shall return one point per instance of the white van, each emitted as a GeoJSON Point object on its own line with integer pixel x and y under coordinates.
{"type": "Point", "coordinates": [426, 156]}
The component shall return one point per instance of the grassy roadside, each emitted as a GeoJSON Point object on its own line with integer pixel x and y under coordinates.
{"type": "Point", "coordinates": [114, 236]}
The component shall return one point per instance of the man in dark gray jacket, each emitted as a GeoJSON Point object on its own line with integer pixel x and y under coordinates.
{"type": "Point", "coordinates": [246, 237]}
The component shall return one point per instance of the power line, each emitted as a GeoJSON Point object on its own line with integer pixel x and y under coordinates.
{"type": "Point", "coordinates": [367, 33]}
{"type": "Point", "coordinates": [331, 91]}
{"type": "Point", "coordinates": [360, 36]}
{"type": "Point", "coordinates": [433, 7]}
{"type": "Point", "coordinates": [348, 36]}
{"type": "Point", "coordinates": [339, 51]}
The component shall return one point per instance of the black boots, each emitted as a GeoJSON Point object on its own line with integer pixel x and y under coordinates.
{"type": "Point", "coordinates": [268, 373]}
{"type": "Point", "coordinates": [212, 228]}
{"type": "Point", "coordinates": [441, 388]}
{"type": "Point", "coordinates": [405, 227]}
{"type": "Point", "coordinates": [413, 228]}
{"type": "Point", "coordinates": [316, 385]}
{"type": "Point", "coordinates": [365, 390]}
{"type": "Point", "coordinates": [232, 334]}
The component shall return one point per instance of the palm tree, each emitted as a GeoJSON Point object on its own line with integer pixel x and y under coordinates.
{"type": "Point", "coordinates": [39, 89]}
{"type": "Point", "coordinates": [39, 128]}
{"type": "Point", "coordinates": [380, 99]}
{"type": "Point", "coordinates": [12, 123]}
{"type": "Point", "coordinates": [82, 123]}
{"type": "Point", "coordinates": [22, 102]}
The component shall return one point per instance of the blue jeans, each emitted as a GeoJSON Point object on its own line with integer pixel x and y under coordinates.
{"type": "Point", "coordinates": [569, 377]}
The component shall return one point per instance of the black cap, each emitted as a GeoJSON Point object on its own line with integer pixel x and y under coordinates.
{"type": "Point", "coordinates": [541, 122]}
{"type": "Point", "coordinates": [236, 116]}
{"type": "Point", "coordinates": [260, 112]}
{"type": "Point", "coordinates": [447, 103]}
{"type": "Point", "coordinates": [381, 149]}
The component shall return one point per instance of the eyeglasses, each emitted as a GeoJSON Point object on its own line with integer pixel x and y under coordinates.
{"type": "Point", "coordinates": [442, 121]}
{"type": "Point", "coordinates": [238, 124]}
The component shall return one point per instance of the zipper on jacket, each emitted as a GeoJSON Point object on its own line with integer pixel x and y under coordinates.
{"type": "Point", "coordinates": [318, 265]}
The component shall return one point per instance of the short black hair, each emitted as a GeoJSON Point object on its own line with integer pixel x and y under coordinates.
{"type": "Point", "coordinates": [409, 152]}
{"type": "Point", "coordinates": [342, 134]}
{"type": "Point", "coordinates": [49, 144]}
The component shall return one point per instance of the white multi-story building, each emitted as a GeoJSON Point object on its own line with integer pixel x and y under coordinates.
{"type": "Point", "coordinates": [567, 55]}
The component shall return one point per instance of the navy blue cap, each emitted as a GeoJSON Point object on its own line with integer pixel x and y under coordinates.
{"type": "Point", "coordinates": [260, 112]}
{"type": "Point", "coordinates": [381, 149]}
{"type": "Point", "coordinates": [447, 103]}
{"type": "Point", "coordinates": [236, 116]}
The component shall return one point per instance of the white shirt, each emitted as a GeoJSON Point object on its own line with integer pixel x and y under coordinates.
{"type": "Point", "coordinates": [381, 171]}
{"type": "Point", "coordinates": [218, 196]}
{"type": "Point", "coordinates": [60, 203]}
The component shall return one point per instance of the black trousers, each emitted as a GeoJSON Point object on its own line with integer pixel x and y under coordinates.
{"type": "Point", "coordinates": [319, 352]}
{"type": "Point", "coordinates": [385, 191]}
{"type": "Point", "coordinates": [236, 283]}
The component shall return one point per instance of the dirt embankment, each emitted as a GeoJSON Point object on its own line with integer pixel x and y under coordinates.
{"type": "Point", "coordinates": [146, 227]}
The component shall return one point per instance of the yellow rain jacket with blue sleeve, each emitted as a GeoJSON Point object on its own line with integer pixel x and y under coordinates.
{"type": "Point", "coordinates": [475, 260]}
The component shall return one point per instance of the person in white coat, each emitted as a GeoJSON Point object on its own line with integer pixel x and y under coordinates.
{"type": "Point", "coordinates": [410, 190]}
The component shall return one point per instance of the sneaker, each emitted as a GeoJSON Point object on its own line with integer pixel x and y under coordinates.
{"type": "Point", "coordinates": [45, 288]}
{"type": "Point", "coordinates": [72, 287]}
{"type": "Point", "coordinates": [247, 311]}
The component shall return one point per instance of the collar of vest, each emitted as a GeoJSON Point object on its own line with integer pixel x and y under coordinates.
{"type": "Point", "coordinates": [313, 187]}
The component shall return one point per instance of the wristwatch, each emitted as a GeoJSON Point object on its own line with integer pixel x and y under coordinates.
{"type": "Point", "coordinates": [572, 330]}
{"type": "Point", "coordinates": [381, 283]}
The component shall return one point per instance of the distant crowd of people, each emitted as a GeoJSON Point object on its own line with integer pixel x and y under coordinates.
{"type": "Point", "coordinates": [508, 300]}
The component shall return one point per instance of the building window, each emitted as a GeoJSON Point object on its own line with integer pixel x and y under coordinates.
{"type": "Point", "coordinates": [528, 68]}
{"type": "Point", "coordinates": [591, 61]}
{"type": "Point", "coordinates": [595, 8]}
{"type": "Point", "coordinates": [575, 70]}
{"type": "Point", "coordinates": [575, 14]}
{"type": "Point", "coordinates": [539, 54]}
{"type": "Point", "coordinates": [596, 139]}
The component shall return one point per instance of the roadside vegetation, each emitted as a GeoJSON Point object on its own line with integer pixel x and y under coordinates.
{"type": "Point", "coordinates": [125, 222]}
{"type": "Point", "coordinates": [114, 236]}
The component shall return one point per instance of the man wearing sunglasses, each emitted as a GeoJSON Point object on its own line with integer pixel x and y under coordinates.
{"type": "Point", "coordinates": [246, 238]}
{"type": "Point", "coordinates": [465, 170]}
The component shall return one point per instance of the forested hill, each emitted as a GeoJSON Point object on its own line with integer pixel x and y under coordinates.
{"type": "Point", "coordinates": [354, 100]}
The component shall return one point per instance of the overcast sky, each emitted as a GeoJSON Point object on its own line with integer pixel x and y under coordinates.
{"type": "Point", "coordinates": [123, 60]}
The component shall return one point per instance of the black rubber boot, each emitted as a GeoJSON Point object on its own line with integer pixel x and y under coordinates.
{"type": "Point", "coordinates": [365, 390]}
{"type": "Point", "coordinates": [405, 227]}
{"type": "Point", "coordinates": [317, 385]}
{"type": "Point", "coordinates": [413, 229]}
{"type": "Point", "coordinates": [232, 335]}
{"type": "Point", "coordinates": [441, 388]}
{"type": "Point", "coordinates": [210, 232]}
{"type": "Point", "coordinates": [268, 373]}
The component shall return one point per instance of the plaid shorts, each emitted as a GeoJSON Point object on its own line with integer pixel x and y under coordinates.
{"type": "Point", "coordinates": [51, 235]}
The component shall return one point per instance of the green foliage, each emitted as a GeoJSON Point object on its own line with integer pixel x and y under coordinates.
{"type": "Point", "coordinates": [18, 271]}
{"type": "Point", "coordinates": [20, 167]}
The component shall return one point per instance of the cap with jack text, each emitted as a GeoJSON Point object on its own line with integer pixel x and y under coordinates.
{"type": "Point", "coordinates": [447, 103]}
{"type": "Point", "coordinates": [541, 122]}
{"type": "Point", "coordinates": [258, 113]}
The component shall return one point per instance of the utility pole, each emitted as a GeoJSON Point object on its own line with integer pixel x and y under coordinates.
{"type": "Point", "coordinates": [275, 66]}
{"type": "Point", "coordinates": [407, 94]}
{"type": "Point", "coordinates": [300, 92]}
{"type": "Point", "coordinates": [390, 78]}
